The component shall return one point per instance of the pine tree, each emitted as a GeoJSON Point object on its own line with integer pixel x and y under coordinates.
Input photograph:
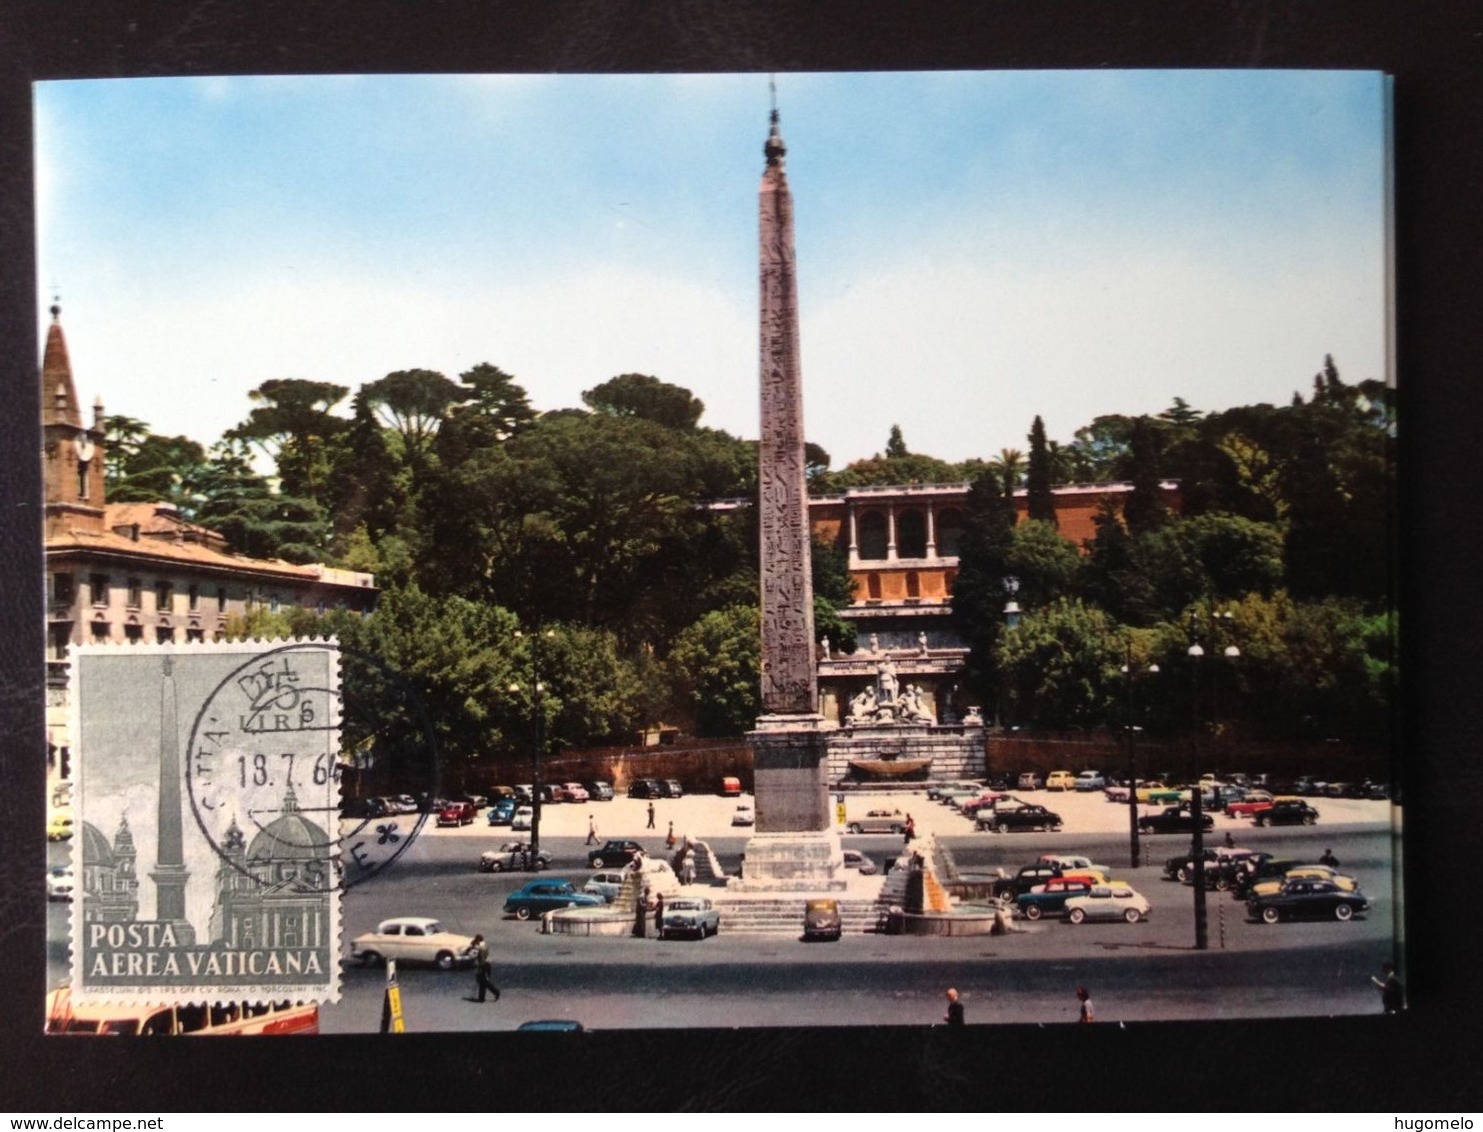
{"type": "Point", "coordinates": [1041, 503]}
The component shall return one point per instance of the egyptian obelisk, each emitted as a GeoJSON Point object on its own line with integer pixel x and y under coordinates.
{"type": "Point", "coordinates": [170, 874]}
{"type": "Point", "coordinates": [794, 843]}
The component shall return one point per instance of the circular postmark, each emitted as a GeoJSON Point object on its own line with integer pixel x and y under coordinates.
{"type": "Point", "coordinates": [283, 753]}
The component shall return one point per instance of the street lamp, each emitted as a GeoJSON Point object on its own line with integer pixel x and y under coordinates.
{"type": "Point", "coordinates": [1011, 621]}
{"type": "Point", "coordinates": [1218, 620]}
{"type": "Point", "coordinates": [1132, 729]}
{"type": "Point", "coordinates": [540, 736]}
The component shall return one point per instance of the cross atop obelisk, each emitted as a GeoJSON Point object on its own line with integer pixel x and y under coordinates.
{"type": "Point", "coordinates": [789, 682]}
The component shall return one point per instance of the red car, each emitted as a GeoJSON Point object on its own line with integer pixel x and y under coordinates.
{"type": "Point", "coordinates": [456, 813]}
{"type": "Point", "coordinates": [1254, 803]}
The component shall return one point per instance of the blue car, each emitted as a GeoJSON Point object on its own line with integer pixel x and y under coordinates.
{"type": "Point", "coordinates": [540, 896]}
{"type": "Point", "coordinates": [502, 812]}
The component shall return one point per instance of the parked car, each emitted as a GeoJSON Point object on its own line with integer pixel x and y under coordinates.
{"type": "Point", "coordinates": [59, 882]}
{"type": "Point", "coordinates": [689, 915]}
{"type": "Point", "coordinates": [1307, 899]}
{"type": "Point", "coordinates": [1060, 780]}
{"type": "Point", "coordinates": [645, 788]}
{"type": "Point", "coordinates": [457, 814]}
{"type": "Point", "coordinates": [1070, 864]}
{"type": "Point", "coordinates": [1049, 899]}
{"type": "Point", "coordinates": [539, 896]}
{"type": "Point", "coordinates": [821, 920]}
{"type": "Point", "coordinates": [411, 939]}
{"type": "Point", "coordinates": [522, 819]}
{"type": "Point", "coordinates": [1181, 867]}
{"type": "Point", "coordinates": [501, 811]}
{"type": "Point", "coordinates": [1154, 792]}
{"type": "Point", "coordinates": [576, 792]}
{"type": "Point", "coordinates": [59, 827]}
{"type": "Point", "coordinates": [876, 821]}
{"type": "Point", "coordinates": [1029, 780]}
{"type": "Point", "coordinates": [1011, 888]}
{"type": "Point", "coordinates": [361, 809]}
{"type": "Point", "coordinates": [611, 853]}
{"type": "Point", "coordinates": [525, 793]}
{"type": "Point", "coordinates": [854, 859]}
{"type": "Point", "coordinates": [1174, 819]}
{"type": "Point", "coordinates": [730, 786]}
{"type": "Point", "coordinates": [1107, 902]}
{"type": "Point", "coordinates": [971, 807]}
{"type": "Point", "coordinates": [552, 1025]}
{"type": "Point", "coordinates": [1089, 780]}
{"type": "Point", "coordinates": [1287, 811]}
{"type": "Point", "coordinates": [671, 788]}
{"type": "Point", "coordinates": [1265, 886]}
{"type": "Point", "coordinates": [1254, 802]}
{"type": "Point", "coordinates": [744, 814]}
{"type": "Point", "coordinates": [513, 856]}
{"type": "Point", "coordinates": [605, 884]}
{"type": "Point", "coordinates": [1117, 792]}
{"type": "Point", "coordinates": [498, 792]}
{"type": "Point", "coordinates": [1025, 816]}
{"type": "Point", "coordinates": [600, 791]}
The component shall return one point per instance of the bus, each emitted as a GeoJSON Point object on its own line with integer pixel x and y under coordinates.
{"type": "Point", "coordinates": [218, 1018]}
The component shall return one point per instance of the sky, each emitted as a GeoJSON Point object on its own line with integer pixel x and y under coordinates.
{"type": "Point", "coordinates": [974, 248]}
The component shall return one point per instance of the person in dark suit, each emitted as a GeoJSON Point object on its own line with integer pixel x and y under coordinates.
{"type": "Point", "coordinates": [954, 1015]}
{"type": "Point", "coordinates": [480, 948]}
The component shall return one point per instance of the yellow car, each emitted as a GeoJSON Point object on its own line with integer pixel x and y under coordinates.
{"type": "Point", "coordinates": [1061, 780]}
{"type": "Point", "coordinates": [1305, 872]}
{"type": "Point", "coordinates": [59, 827]}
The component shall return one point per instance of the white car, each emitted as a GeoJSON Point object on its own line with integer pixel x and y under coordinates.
{"type": "Point", "coordinates": [744, 815]}
{"type": "Point", "coordinates": [524, 815]}
{"type": "Point", "coordinates": [416, 939]}
{"type": "Point", "coordinates": [1107, 902]}
{"type": "Point", "coordinates": [854, 859]}
{"type": "Point", "coordinates": [59, 882]}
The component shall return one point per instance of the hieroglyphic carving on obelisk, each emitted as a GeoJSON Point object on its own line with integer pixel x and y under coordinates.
{"type": "Point", "coordinates": [789, 682]}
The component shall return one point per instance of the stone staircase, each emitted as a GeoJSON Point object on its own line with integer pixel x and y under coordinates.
{"type": "Point", "coordinates": [783, 915]}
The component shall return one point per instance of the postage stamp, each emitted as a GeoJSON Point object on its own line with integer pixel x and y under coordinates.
{"type": "Point", "coordinates": [207, 804]}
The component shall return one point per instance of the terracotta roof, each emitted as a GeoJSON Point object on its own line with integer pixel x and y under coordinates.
{"type": "Point", "coordinates": [108, 543]}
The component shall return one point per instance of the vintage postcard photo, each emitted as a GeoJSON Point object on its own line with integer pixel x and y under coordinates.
{"type": "Point", "coordinates": [824, 550]}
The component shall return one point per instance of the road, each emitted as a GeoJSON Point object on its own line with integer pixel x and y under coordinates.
{"type": "Point", "coordinates": [1137, 973]}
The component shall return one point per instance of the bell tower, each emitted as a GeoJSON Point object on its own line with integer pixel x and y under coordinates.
{"type": "Point", "coordinates": [73, 451]}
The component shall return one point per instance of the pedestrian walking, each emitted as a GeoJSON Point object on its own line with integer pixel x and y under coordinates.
{"type": "Point", "coordinates": [651, 816]}
{"type": "Point", "coordinates": [1329, 859]}
{"type": "Point", "coordinates": [954, 1015]}
{"type": "Point", "coordinates": [1230, 841]}
{"type": "Point", "coordinates": [659, 916]}
{"type": "Point", "coordinates": [669, 838]}
{"type": "Point", "coordinates": [909, 832]}
{"type": "Point", "coordinates": [481, 968]}
{"type": "Point", "coordinates": [687, 868]}
{"type": "Point", "coordinates": [1087, 1014]}
{"type": "Point", "coordinates": [1392, 994]}
{"type": "Point", "coordinates": [591, 830]}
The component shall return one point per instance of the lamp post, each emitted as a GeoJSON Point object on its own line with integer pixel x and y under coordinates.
{"type": "Point", "coordinates": [1218, 619]}
{"type": "Point", "coordinates": [540, 736]}
{"type": "Point", "coordinates": [1011, 621]}
{"type": "Point", "coordinates": [1132, 728]}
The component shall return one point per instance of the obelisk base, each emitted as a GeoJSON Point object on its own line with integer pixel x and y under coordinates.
{"type": "Point", "coordinates": [795, 847]}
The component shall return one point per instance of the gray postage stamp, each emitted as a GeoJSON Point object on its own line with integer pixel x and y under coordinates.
{"type": "Point", "coordinates": [206, 802]}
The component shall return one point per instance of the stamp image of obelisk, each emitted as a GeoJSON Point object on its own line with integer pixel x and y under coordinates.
{"type": "Point", "coordinates": [788, 746]}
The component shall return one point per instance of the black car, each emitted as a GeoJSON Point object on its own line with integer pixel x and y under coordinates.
{"type": "Point", "coordinates": [1258, 869]}
{"type": "Point", "coordinates": [1286, 811]}
{"type": "Point", "coordinates": [1029, 877]}
{"type": "Point", "coordinates": [645, 788]}
{"type": "Point", "coordinates": [671, 788]}
{"type": "Point", "coordinates": [1174, 819]}
{"type": "Point", "coordinates": [613, 854]}
{"type": "Point", "coordinates": [1306, 899]}
{"type": "Point", "coordinates": [1018, 817]}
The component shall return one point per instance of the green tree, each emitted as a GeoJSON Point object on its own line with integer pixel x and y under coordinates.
{"type": "Point", "coordinates": [895, 444]}
{"type": "Point", "coordinates": [257, 521]}
{"type": "Point", "coordinates": [1046, 565]}
{"type": "Point", "coordinates": [294, 426]}
{"type": "Point", "coordinates": [717, 670]}
{"type": "Point", "coordinates": [647, 398]}
{"type": "Point", "coordinates": [1010, 465]}
{"type": "Point", "coordinates": [1040, 503]}
{"type": "Point", "coordinates": [160, 469]}
{"type": "Point", "coordinates": [413, 403]}
{"type": "Point", "coordinates": [1060, 666]}
{"type": "Point", "coordinates": [1099, 448]}
{"type": "Point", "coordinates": [122, 437]}
{"type": "Point", "coordinates": [985, 548]}
{"type": "Point", "coordinates": [1145, 509]}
